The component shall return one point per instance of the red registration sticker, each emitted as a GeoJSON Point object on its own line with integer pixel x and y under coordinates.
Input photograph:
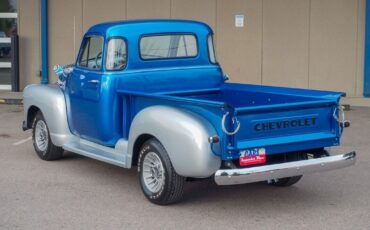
{"type": "Point", "coordinates": [252, 156]}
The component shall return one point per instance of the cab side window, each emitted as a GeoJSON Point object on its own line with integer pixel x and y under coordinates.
{"type": "Point", "coordinates": [116, 54]}
{"type": "Point", "coordinates": [91, 56]}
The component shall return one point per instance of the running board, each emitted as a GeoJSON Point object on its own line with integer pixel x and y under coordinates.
{"type": "Point", "coordinates": [116, 156]}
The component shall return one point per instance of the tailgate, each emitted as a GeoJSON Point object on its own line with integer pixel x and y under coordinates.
{"type": "Point", "coordinates": [286, 127]}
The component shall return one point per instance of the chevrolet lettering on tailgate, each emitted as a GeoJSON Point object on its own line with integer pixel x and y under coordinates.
{"type": "Point", "coordinates": [285, 124]}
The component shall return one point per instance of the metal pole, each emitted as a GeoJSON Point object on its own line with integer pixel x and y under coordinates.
{"type": "Point", "coordinates": [44, 43]}
{"type": "Point", "coordinates": [367, 51]}
{"type": "Point", "coordinates": [15, 63]}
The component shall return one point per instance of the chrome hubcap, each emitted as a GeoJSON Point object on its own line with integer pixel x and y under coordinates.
{"type": "Point", "coordinates": [41, 135]}
{"type": "Point", "coordinates": [153, 172]}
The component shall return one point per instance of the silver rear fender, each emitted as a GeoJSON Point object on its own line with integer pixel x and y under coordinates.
{"type": "Point", "coordinates": [183, 134]}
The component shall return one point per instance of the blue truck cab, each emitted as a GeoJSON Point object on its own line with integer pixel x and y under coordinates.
{"type": "Point", "coordinates": [151, 94]}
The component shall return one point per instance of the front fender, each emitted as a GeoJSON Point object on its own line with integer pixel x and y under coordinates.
{"type": "Point", "coordinates": [50, 100]}
{"type": "Point", "coordinates": [183, 134]}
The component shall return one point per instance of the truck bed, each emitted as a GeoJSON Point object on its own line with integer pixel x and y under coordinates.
{"type": "Point", "coordinates": [278, 119]}
{"type": "Point", "coordinates": [242, 95]}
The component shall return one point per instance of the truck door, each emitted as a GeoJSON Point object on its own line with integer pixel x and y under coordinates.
{"type": "Point", "coordinates": [83, 89]}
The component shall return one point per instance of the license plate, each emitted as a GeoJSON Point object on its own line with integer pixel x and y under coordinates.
{"type": "Point", "coordinates": [252, 156]}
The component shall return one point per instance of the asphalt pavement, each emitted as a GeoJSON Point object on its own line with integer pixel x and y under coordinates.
{"type": "Point", "coordinates": [80, 193]}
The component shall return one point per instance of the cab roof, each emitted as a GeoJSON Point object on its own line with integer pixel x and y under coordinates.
{"type": "Point", "coordinates": [148, 26]}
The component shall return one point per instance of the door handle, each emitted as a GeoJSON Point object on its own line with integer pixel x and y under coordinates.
{"type": "Point", "coordinates": [93, 81]}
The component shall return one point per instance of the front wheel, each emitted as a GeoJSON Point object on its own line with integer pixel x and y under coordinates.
{"type": "Point", "coordinates": [158, 179]}
{"type": "Point", "coordinates": [42, 143]}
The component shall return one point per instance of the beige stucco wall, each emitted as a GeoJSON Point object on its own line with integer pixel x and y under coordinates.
{"type": "Point", "coordinates": [299, 43]}
{"type": "Point", "coordinates": [29, 41]}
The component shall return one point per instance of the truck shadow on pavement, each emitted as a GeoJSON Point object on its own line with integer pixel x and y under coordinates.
{"type": "Point", "coordinates": [205, 191]}
{"type": "Point", "coordinates": [254, 194]}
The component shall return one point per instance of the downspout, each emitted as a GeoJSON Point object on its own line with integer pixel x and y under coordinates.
{"type": "Point", "coordinates": [367, 51]}
{"type": "Point", "coordinates": [44, 43]}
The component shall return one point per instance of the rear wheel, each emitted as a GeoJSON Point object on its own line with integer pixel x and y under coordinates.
{"type": "Point", "coordinates": [158, 179]}
{"type": "Point", "coordinates": [284, 182]}
{"type": "Point", "coordinates": [42, 143]}
{"type": "Point", "coordinates": [288, 181]}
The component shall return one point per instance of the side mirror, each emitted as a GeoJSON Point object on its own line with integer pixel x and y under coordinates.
{"type": "Point", "coordinates": [226, 77]}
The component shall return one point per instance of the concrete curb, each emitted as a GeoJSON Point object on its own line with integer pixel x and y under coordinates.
{"type": "Point", "coordinates": [11, 98]}
{"type": "Point", "coordinates": [11, 101]}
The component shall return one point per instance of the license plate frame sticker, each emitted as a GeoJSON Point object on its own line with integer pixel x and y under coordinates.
{"type": "Point", "coordinates": [253, 156]}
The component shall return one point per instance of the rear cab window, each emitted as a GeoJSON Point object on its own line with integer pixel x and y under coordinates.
{"type": "Point", "coordinates": [168, 46]}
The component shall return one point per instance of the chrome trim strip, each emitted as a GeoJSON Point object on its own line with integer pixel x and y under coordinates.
{"type": "Point", "coordinates": [296, 168]}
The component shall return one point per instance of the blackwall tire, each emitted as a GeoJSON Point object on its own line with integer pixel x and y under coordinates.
{"type": "Point", "coordinates": [289, 181]}
{"type": "Point", "coordinates": [158, 180]}
{"type": "Point", "coordinates": [285, 182]}
{"type": "Point", "coordinates": [42, 143]}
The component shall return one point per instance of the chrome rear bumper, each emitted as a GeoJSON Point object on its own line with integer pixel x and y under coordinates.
{"type": "Point", "coordinates": [296, 168]}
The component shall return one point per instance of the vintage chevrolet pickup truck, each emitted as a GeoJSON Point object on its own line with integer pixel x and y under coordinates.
{"type": "Point", "coordinates": [151, 94]}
